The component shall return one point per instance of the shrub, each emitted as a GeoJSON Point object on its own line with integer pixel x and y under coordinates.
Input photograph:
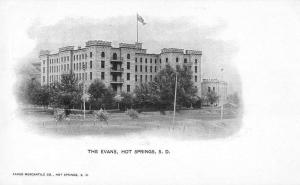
{"type": "Point", "coordinates": [102, 115]}
{"type": "Point", "coordinates": [132, 113]}
{"type": "Point", "coordinates": [59, 115]}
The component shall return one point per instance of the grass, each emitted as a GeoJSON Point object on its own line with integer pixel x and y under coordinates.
{"type": "Point", "coordinates": [203, 123]}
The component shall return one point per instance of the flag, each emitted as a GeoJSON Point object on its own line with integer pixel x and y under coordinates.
{"type": "Point", "coordinates": [140, 19]}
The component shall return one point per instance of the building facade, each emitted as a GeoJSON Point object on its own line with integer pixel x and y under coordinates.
{"type": "Point", "coordinates": [122, 68]}
{"type": "Point", "coordinates": [217, 86]}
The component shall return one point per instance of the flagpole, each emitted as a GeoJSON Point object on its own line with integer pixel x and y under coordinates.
{"type": "Point", "coordinates": [137, 29]}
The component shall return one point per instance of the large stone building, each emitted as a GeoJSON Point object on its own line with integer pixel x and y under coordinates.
{"type": "Point", "coordinates": [121, 68]}
{"type": "Point", "coordinates": [217, 86]}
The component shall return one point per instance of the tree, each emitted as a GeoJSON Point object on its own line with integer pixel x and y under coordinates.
{"type": "Point", "coordinates": [160, 92]}
{"type": "Point", "coordinates": [100, 95]}
{"type": "Point", "coordinates": [43, 96]}
{"type": "Point", "coordinates": [146, 95]}
{"type": "Point", "coordinates": [67, 93]}
{"type": "Point", "coordinates": [212, 97]}
{"type": "Point", "coordinates": [234, 98]}
{"type": "Point", "coordinates": [126, 101]}
{"type": "Point", "coordinates": [33, 93]}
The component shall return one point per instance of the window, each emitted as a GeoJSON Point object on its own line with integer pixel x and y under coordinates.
{"type": "Point", "coordinates": [135, 68]}
{"type": "Point", "coordinates": [91, 75]}
{"type": "Point", "coordinates": [74, 67]}
{"type": "Point", "coordinates": [79, 76]}
{"type": "Point", "coordinates": [67, 66]}
{"type": "Point", "coordinates": [102, 76]}
{"type": "Point", "coordinates": [185, 60]}
{"type": "Point", "coordinates": [195, 78]}
{"type": "Point", "coordinates": [141, 78]}
{"type": "Point", "coordinates": [208, 89]}
{"type": "Point", "coordinates": [80, 66]}
{"type": "Point", "coordinates": [146, 79]}
{"type": "Point", "coordinates": [91, 64]}
{"type": "Point", "coordinates": [151, 60]}
{"type": "Point", "coordinates": [67, 58]}
{"type": "Point", "coordinates": [213, 88]}
{"type": "Point", "coordinates": [128, 88]}
{"type": "Point", "coordinates": [141, 60]}
{"type": "Point", "coordinates": [91, 54]}
{"type": "Point", "coordinates": [150, 69]}
{"type": "Point", "coordinates": [44, 62]}
{"type": "Point", "coordinates": [128, 56]}
{"type": "Point", "coordinates": [43, 69]}
{"type": "Point", "coordinates": [177, 59]}
{"type": "Point", "coordinates": [160, 60]}
{"type": "Point", "coordinates": [151, 78]}
{"type": "Point", "coordinates": [155, 69]}
{"type": "Point", "coordinates": [146, 60]}
{"type": "Point", "coordinates": [76, 57]}
{"type": "Point", "coordinates": [79, 57]}
{"type": "Point", "coordinates": [196, 61]}
{"type": "Point", "coordinates": [77, 66]}
{"type": "Point", "coordinates": [136, 78]}
{"type": "Point", "coordinates": [135, 59]}
{"type": "Point", "coordinates": [115, 56]}
{"type": "Point", "coordinates": [128, 76]}
{"type": "Point", "coordinates": [102, 64]}
{"type": "Point", "coordinates": [128, 65]}
{"type": "Point", "coordinates": [82, 56]}
{"type": "Point", "coordinates": [167, 60]}
{"type": "Point", "coordinates": [155, 61]}
{"type": "Point", "coordinates": [102, 54]}
{"type": "Point", "coordinates": [145, 68]}
{"type": "Point", "coordinates": [195, 69]}
{"type": "Point", "coordinates": [43, 78]}
{"type": "Point", "coordinates": [85, 56]}
{"type": "Point", "coordinates": [141, 68]}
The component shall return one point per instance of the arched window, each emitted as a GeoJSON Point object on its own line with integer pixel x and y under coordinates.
{"type": "Point", "coordinates": [115, 56]}
{"type": "Point", "coordinates": [128, 56]}
{"type": "Point", "coordinates": [167, 60]}
{"type": "Point", "coordinates": [102, 54]}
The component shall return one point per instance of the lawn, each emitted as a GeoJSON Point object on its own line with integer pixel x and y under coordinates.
{"type": "Point", "coordinates": [200, 123]}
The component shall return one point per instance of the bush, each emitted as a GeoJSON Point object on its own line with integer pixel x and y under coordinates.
{"type": "Point", "coordinates": [132, 113]}
{"type": "Point", "coordinates": [102, 115]}
{"type": "Point", "coordinates": [59, 115]}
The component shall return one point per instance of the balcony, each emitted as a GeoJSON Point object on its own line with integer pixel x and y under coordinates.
{"type": "Point", "coordinates": [118, 59]}
{"type": "Point", "coordinates": [119, 81]}
{"type": "Point", "coordinates": [114, 70]}
{"type": "Point", "coordinates": [188, 64]}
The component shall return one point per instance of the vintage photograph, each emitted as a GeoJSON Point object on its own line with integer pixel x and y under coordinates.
{"type": "Point", "coordinates": [136, 92]}
{"type": "Point", "coordinates": [130, 74]}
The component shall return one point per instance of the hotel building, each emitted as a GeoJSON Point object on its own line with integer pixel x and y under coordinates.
{"type": "Point", "coordinates": [122, 68]}
{"type": "Point", "coordinates": [217, 86]}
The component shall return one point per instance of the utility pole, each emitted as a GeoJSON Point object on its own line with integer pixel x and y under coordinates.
{"type": "Point", "coordinates": [175, 94]}
{"type": "Point", "coordinates": [222, 108]}
{"type": "Point", "coordinates": [83, 94]}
